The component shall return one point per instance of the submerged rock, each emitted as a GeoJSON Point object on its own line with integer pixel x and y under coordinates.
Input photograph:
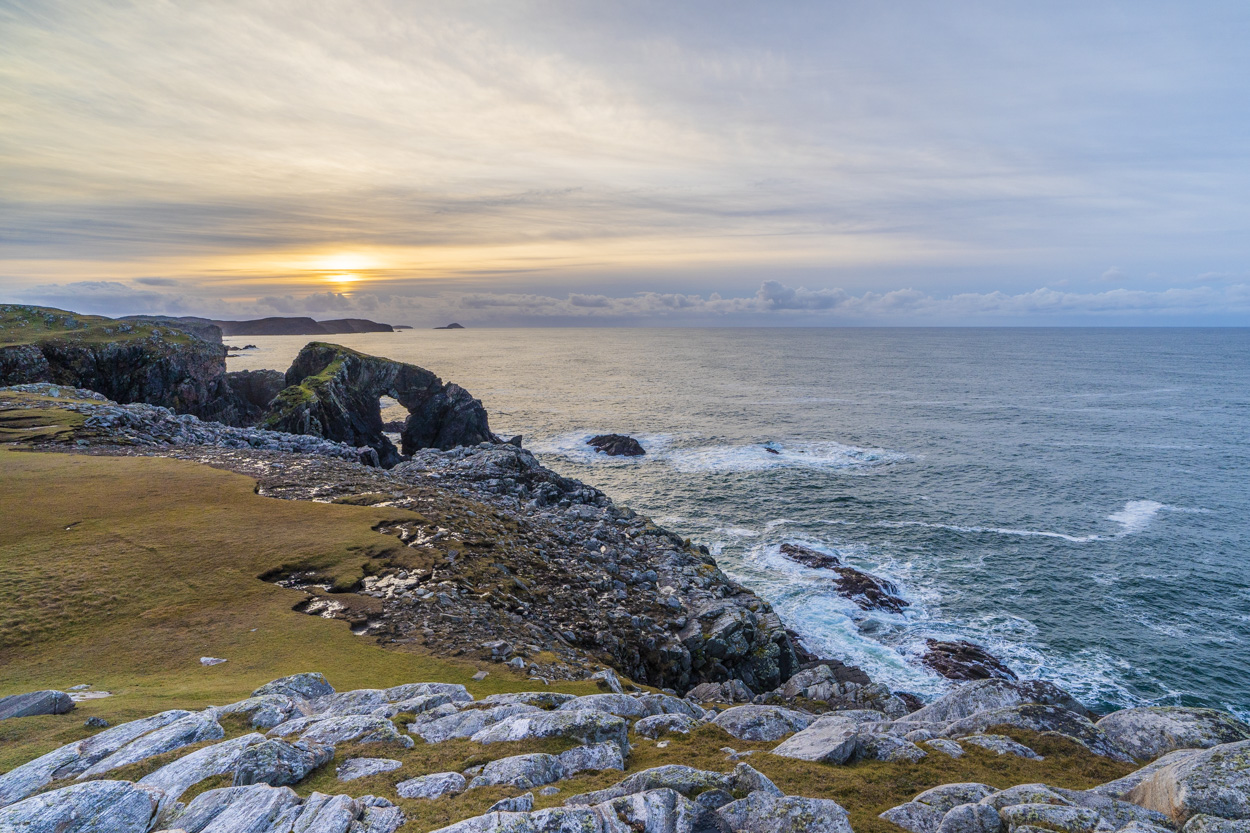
{"type": "Point", "coordinates": [809, 557]}
{"type": "Point", "coordinates": [962, 660]}
{"type": "Point", "coordinates": [868, 591]}
{"type": "Point", "coordinates": [616, 445]}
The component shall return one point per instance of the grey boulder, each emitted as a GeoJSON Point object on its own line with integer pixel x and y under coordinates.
{"type": "Point", "coordinates": [833, 738]}
{"type": "Point", "coordinates": [662, 724]}
{"type": "Point", "coordinates": [882, 747]}
{"type": "Point", "coordinates": [586, 726]}
{"type": "Point", "coordinates": [1214, 782]}
{"type": "Point", "coordinates": [176, 777]}
{"type": "Point", "coordinates": [267, 710]}
{"type": "Point", "coordinates": [184, 731]}
{"type": "Point", "coordinates": [1063, 819]}
{"type": "Point", "coordinates": [1120, 787]}
{"type": "Point", "coordinates": [948, 796]}
{"type": "Point", "coordinates": [356, 728]}
{"type": "Point", "coordinates": [354, 768]}
{"type": "Point", "coordinates": [993, 694]}
{"type": "Point", "coordinates": [1002, 745]}
{"type": "Point", "coordinates": [947, 747]}
{"type": "Point", "coordinates": [685, 780]}
{"type": "Point", "coordinates": [762, 723]}
{"type": "Point", "coordinates": [540, 699]}
{"type": "Point", "coordinates": [516, 804]}
{"type": "Point", "coordinates": [1147, 733]}
{"type": "Point", "coordinates": [600, 756]}
{"type": "Point", "coordinates": [760, 812]}
{"type": "Point", "coordinates": [1210, 824]}
{"type": "Point", "coordinates": [431, 786]}
{"type": "Point", "coordinates": [93, 807]}
{"type": "Point", "coordinates": [464, 724]}
{"type": "Point", "coordinates": [275, 762]}
{"type": "Point", "coordinates": [300, 686]}
{"type": "Point", "coordinates": [344, 703]}
{"type": "Point", "coordinates": [35, 703]}
{"type": "Point", "coordinates": [522, 771]}
{"type": "Point", "coordinates": [621, 705]}
{"type": "Point", "coordinates": [1040, 718]}
{"type": "Point", "coordinates": [455, 691]}
{"type": "Point", "coordinates": [915, 817]}
{"type": "Point", "coordinates": [970, 818]}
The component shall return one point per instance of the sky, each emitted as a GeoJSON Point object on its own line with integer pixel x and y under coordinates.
{"type": "Point", "coordinates": [517, 163]}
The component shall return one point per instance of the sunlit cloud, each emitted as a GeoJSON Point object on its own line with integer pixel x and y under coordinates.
{"type": "Point", "coordinates": [239, 151]}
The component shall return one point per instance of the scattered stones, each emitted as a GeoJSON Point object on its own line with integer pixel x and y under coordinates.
{"type": "Point", "coordinates": [468, 723]}
{"type": "Point", "coordinates": [947, 747]}
{"type": "Point", "coordinates": [95, 722]}
{"type": "Point", "coordinates": [354, 768]}
{"type": "Point", "coordinates": [34, 703]}
{"type": "Point", "coordinates": [731, 691]}
{"type": "Point", "coordinates": [621, 705]}
{"type": "Point", "coordinates": [685, 780]}
{"type": "Point", "coordinates": [431, 786]}
{"type": "Point", "coordinates": [356, 728]}
{"type": "Point", "coordinates": [540, 699]}
{"type": "Point", "coordinates": [211, 660]}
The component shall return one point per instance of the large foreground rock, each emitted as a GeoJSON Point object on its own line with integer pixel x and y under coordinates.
{"type": "Point", "coordinates": [276, 762]}
{"type": "Point", "coordinates": [305, 686]}
{"type": "Point", "coordinates": [264, 809]}
{"type": "Point", "coordinates": [685, 780]}
{"type": "Point", "coordinates": [36, 702]}
{"type": "Point", "coordinates": [332, 392]}
{"type": "Point", "coordinates": [1214, 782]}
{"type": "Point", "coordinates": [760, 812]}
{"type": "Point", "coordinates": [1147, 733]}
{"type": "Point", "coordinates": [433, 727]}
{"type": "Point", "coordinates": [654, 811]}
{"type": "Point", "coordinates": [834, 738]}
{"type": "Point", "coordinates": [93, 807]}
{"type": "Point", "coordinates": [1039, 718]}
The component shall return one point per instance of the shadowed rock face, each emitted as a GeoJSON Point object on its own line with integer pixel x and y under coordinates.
{"type": "Point", "coordinates": [332, 392]}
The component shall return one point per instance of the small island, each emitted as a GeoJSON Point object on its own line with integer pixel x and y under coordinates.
{"type": "Point", "coordinates": [452, 326]}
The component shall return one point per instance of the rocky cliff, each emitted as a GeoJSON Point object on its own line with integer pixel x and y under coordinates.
{"type": "Point", "coordinates": [124, 360]}
{"type": "Point", "coordinates": [333, 392]}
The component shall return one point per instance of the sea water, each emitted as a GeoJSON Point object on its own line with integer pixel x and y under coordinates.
{"type": "Point", "coordinates": [1075, 500]}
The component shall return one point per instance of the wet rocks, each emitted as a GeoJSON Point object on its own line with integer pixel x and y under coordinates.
{"type": "Point", "coordinates": [616, 445]}
{"type": "Point", "coordinates": [1147, 733]}
{"type": "Point", "coordinates": [809, 557]}
{"type": "Point", "coordinates": [36, 702]}
{"type": "Point", "coordinates": [868, 591]}
{"type": "Point", "coordinates": [962, 660]}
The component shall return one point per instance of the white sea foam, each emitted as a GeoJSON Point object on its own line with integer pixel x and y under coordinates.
{"type": "Point", "coordinates": [996, 530]}
{"type": "Point", "coordinates": [723, 457]}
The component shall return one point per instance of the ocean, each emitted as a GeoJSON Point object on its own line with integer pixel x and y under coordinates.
{"type": "Point", "coordinates": [1075, 500]}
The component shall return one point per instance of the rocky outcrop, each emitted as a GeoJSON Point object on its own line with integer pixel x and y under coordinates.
{"type": "Point", "coordinates": [616, 445]}
{"type": "Point", "coordinates": [253, 390]}
{"type": "Point", "coordinates": [36, 702]}
{"type": "Point", "coordinates": [809, 557]}
{"type": "Point", "coordinates": [125, 361]}
{"type": "Point", "coordinates": [333, 392]}
{"type": "Point", "coordinates": [296, 326]}
{"type": "Point", "coordinates": [987, 695]}
{"type": "Point", "coordinates": [113, 806]}
{"type": "Point", "coordinates": [962, 660]}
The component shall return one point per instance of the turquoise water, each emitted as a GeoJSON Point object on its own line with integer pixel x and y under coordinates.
{"type": "Point", "coordinates": [1074, 499]}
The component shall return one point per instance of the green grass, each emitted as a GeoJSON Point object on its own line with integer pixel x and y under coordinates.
{"type": "Point", "coordinates": [123, 571]}
{"type": "Point", "coordinates": [20, 324]}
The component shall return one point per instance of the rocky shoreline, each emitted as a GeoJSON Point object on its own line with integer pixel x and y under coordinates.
{"type": "Point", "coordinates": [498, 561]}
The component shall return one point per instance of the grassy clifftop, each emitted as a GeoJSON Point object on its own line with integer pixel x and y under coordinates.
{"type": "Point", "coordinates": [20, 324]}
